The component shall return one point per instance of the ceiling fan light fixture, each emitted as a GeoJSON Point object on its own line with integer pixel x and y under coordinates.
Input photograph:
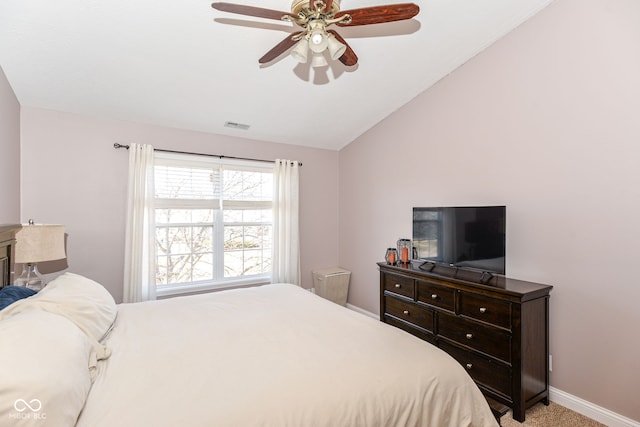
{"type": "Point", "coordinates": [317, 37]}
{"type": "Point", "coordinates": [300, 51]}
{"type": "Point", "coordinates": [336, 48]}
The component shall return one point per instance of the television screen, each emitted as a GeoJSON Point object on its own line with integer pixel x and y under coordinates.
{"type": "Point", "coordinates": [472, 237]}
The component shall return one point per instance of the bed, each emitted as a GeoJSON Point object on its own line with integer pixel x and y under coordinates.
{"type": "Point", "coordinates": [274, 355]}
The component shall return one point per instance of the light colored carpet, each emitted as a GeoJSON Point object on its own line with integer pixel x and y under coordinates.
{"type": "Point", "coordinates": [553, 415]}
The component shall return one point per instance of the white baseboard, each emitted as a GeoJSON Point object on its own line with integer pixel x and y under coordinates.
{"type": "Point", "coordinates": [595, 412]}
{"type": "Point", "coordinates": [581, 406]}
{"type": "Point", "coordinates": [362, 311]}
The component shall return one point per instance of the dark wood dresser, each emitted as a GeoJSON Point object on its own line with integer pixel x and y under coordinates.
{"type": "Point", "coordinates": [7, 245]}
{"type": "Point", "coordinates": [496, 327]}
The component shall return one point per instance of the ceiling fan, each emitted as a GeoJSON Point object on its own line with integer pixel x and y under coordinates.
{"type": "Point", "coordinates": [313, 17]}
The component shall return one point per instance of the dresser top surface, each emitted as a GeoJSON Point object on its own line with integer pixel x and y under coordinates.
{"type": "Point", "coordinates": [470, 278]}
{"type": "Point", "coordinates": [7, 231]}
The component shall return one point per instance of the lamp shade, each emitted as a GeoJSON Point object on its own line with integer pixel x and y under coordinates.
{"type": "Point", "coordinates": [318, 60]}
{"type": "Point", "coordinates": [317, 36]}
{"type": "Point", "coordinates": [299, 52]}
{"type": "Point", "coordinates": [39, 243]}
{"type": "Point", "coordinates": [336, 48]}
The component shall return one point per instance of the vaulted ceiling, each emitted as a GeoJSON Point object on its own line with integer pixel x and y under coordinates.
{"type": "Point", "coordinates": [183, 64]}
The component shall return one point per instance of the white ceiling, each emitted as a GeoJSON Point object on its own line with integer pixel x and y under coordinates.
{"type": "Point", "coordinates": [182, 64]}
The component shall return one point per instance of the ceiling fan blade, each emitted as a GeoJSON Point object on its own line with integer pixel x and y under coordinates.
{"type": "Point", "coordinates": [329, 4]}
{"type": "Point", "coordinates": [280, 48]}
{"type": "Point", "coordinates": [379, 14]}
{"type": "Point", "coordinates": [349, 57]}
{"type": "Point", "coordinates": [251, 10]}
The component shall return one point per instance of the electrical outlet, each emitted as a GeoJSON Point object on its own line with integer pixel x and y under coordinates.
{"type": "Point", "coordinates": [550, 363]}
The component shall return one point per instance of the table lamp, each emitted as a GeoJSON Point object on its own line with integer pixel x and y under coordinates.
{"type": "Point", "coordinates": [37, 243]}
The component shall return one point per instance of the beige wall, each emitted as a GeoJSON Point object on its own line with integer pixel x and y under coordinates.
{"type": "Point", "coordinates": [10, 149]}
{"type": "Point", "coordinates": [546, 121]}
{"type": "Point", "coordinates": [72, 175]}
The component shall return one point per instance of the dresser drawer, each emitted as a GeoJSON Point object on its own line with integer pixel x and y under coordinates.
{"type": "Point", "coordinates": [408, 327]}
{"type": "Point", "coordinates": [436, 295]}
{"type": "Point", "coordinates": [409, 312]}
{"type": "Point", "coordinates": [399, 285]}
{"type": "Point", "coordinates": [487, 309]}
{"type": "Point", "coordinates": [484, 338]}
{"type": "Point", "coordinates": [483, 370]}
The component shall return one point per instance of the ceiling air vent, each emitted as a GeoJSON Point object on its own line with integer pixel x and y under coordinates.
{"type": "Point", "coordinates": [235, 125]}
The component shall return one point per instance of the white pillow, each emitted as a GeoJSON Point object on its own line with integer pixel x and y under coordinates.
{"type": "Point", "coordinates": [86, 303]}
{"type": "Point", "coordinates": [44, 380]}
{"type": "Point", "coordinates": [83, 301]}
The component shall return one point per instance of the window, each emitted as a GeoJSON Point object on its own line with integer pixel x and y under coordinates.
{"type": "Point", "coordinates": [213, 222]}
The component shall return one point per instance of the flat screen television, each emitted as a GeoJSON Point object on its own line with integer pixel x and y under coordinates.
{"type": "Point", "coordinates": [467, 236]}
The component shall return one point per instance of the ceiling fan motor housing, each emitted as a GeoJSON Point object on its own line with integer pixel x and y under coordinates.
{"type": "Point", "coordinates": [299, 5]}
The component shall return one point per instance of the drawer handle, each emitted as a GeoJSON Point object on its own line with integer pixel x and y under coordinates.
{"type": "Point", "coordinates": [406, 312]}
{"type": "Point", "coordinates": [434, 296]}
{"type": "Point", "coordinates": [483, 310]}
{"type": "Point", "coordinates": [468, 366]}
{"type": "Point", "coordinates": [469, 336]}
{"type": "Point", "coordinates": [398, 285]}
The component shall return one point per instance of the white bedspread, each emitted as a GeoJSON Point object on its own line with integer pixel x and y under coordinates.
{"type": "Point", "coordinates": [274, 355]}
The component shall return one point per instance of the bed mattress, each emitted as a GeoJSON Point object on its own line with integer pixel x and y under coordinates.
{"type": "Point", "coordinates": [274, 355]}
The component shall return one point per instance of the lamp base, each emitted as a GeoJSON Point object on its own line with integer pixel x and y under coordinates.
{"type": "Point", "coordinates": [31, 278]}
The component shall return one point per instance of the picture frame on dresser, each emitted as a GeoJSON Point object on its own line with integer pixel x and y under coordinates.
{"type": "Point", "coordinates": [496, 327]}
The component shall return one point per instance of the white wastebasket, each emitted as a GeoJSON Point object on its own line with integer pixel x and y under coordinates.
{"type": "Point", "coordinates": [332, 284]}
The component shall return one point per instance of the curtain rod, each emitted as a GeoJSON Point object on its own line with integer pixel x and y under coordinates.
{"type": "Point", "coordinates": [116, 145]}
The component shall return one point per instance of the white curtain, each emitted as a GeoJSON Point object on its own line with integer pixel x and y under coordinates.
{"type": "Point", "coordinates": [286, 239]}
{"type": "Point", "coordinates": [139, 254]}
